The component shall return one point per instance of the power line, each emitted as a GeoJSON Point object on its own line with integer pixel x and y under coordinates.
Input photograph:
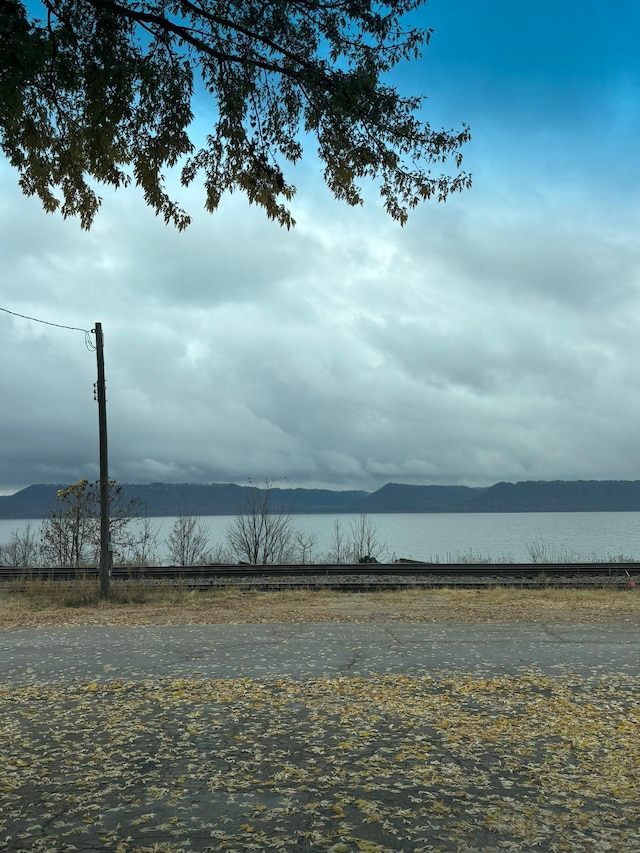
{"type": "Point", "coordinates": [87, 333]}
{"type": "Point", "coordinates": [46, 322]}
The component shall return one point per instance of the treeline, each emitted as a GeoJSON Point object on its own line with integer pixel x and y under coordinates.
{"type": "Point", "coordinates": [173, 499]}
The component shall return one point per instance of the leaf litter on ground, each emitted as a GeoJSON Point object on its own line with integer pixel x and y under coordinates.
{"type": "Point", "coordinates": [341, 764]}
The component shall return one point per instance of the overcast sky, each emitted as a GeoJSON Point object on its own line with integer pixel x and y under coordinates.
{"type": "Point", "coordinates": [496, 337]}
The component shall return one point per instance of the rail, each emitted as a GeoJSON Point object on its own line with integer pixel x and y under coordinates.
{"type": "Point", "coordinates": [358, 577]}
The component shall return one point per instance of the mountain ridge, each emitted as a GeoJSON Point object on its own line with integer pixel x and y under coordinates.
{"type": "Point", "coordinates": [170, 499]}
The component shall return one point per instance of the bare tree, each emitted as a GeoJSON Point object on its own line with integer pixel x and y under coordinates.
{"type": "Point", "coordinates": [339, 551]}
{"type": "Point", "coordinates": [263, 533]}
{"type": "Point", "coordinates": [70, 535]}
{"type": "Point", "coordinates": [219, 555]}
{"type": "Point", "coordinates": [22, 550]}
{"type": "Point", "coordinates": [304, 544]}
{"type": "Point", "coordinates": [359, 544]}
{"type": "Point", "coordinates": [188, 541]}
{"type": "Point", "coordinates": [143, 550]}
{"type": "Point", "coordinates": [364, 544]}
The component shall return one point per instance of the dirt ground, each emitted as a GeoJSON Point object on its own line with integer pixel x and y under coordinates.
{"type": "Point", "coordinates": [231, 606]}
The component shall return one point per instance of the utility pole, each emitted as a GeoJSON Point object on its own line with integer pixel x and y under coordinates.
{"type": "Point", "coordinates": [101, 394]}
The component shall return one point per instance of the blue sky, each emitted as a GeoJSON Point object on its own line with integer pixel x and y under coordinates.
{"type": "Point", "coordinates": [493, 338]}
{"type": "Point", "coordinates": [549, 87]}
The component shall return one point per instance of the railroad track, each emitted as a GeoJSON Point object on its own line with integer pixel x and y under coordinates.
{"type": "Point", "coordinates": [361, 577]}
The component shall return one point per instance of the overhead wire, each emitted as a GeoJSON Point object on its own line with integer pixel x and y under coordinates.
{"type": "Point", "coordinates": [87, 334]}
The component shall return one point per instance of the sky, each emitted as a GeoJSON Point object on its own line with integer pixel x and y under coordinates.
{"type": "Point", "coordinates": [494, 337]}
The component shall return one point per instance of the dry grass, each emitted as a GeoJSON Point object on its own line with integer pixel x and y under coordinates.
{"type": "Point", "coordinates": [43, 603]}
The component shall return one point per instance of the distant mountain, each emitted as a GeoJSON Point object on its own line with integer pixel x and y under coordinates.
{"type": "Point", "coordinates": [32, 502]}
{"type": "Point", "coordinates": [559, 496]}
{"type": "Point", "coordinates": [168, 499]}
{"type": "Point", "coordinates": [228, 499]}
{"type": "Point", "coordinates": [396, 497]}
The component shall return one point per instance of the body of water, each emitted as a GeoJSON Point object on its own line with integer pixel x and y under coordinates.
{"type": "Point", "coordinates": [450, 537]}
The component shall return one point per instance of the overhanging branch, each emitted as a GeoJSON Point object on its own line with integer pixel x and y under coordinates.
{"type": "Point", "coordinates": [186, 34]}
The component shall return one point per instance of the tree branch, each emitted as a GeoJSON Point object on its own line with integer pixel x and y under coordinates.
{"type": "Point", "coordinates": [186, 34]}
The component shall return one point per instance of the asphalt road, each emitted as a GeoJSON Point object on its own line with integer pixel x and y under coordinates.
{"type": "Point", "coordinates": [146, 767]}
{"type": "Point", "coordinates": [302, 651]}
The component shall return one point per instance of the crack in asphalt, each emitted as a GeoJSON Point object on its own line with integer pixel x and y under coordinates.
{"type": "Point", "coordinates": [547, 630]}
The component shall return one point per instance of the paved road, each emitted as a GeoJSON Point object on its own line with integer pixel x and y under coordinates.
{"type": "Point", "coordinates": [140, 768]}
{"type": "Point", "coordinates": [307, 650]}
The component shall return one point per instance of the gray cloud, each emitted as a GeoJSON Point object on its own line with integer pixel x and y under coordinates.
{"type": "Point", "coordinates": [353, 353]}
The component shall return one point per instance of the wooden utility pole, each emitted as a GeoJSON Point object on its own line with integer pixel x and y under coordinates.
{"type": "Point", "coordinates": [101, 395]}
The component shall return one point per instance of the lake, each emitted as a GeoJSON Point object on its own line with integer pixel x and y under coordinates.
{"type": "Point", "coordinates": [450, 537]}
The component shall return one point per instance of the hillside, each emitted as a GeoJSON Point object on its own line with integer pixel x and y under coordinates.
{"type": "Point", "coordinates": [396, 497]}
{"type": "Point", "coordinates": [559, 496]}
{"type": "Point", "coordinates": [169, 499]}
